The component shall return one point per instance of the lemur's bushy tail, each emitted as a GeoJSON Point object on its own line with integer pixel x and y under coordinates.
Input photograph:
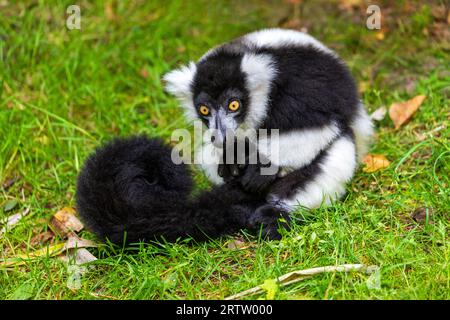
{"type": "Point", "coordinates": [130, 190]}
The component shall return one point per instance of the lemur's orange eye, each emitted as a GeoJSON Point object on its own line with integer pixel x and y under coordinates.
{"type": "Point", "coordinates": [234, 105]}
{"type": "Point", "coordinates": [204, 110]}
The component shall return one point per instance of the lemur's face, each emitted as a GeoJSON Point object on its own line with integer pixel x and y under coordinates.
{"type": "Point", "coordinates": [224, 113]}
{"type": "Point", "coordinates": [227, 90]}
{"type": "Point", "coordinates": [220, 96]}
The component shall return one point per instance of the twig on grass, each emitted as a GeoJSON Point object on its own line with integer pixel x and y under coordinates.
{"type": "Point", "coordinates": [299, 275]}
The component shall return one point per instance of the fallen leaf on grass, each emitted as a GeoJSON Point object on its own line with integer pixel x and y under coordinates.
{"type": "Point", "coordinates": [21, 259]}
{"type": "Point", "coordinates": [65, 222]}
{"type": "Point", "coordinates": [422, 215]}
{"type": "Point", "coordinates": [401, 112]}
{"type": "Point", "coordinates": [11, 221]}
{"type": "Point", "coordinates": [78, 256]}
{"type": "Point", "coordinates": [74, 275]}
{"type": "Point", "coordinates": [299, 275]}
{"type": "Point", "coordinates": [9, 182]}
{"type": "Point", "coordinates": [375, 162]}
{"type": "Point", "coordinates": [144, 73]}
{"type": "Point", "coordinates": [41, 238]}
{"type": "Point", "coordinates": [73, 242]}
{"type": "Point", "coordinates": [379, 114]}
{"type": "Point", "coordinates": [9, 205]}
{"type": "Point", "coordinates": [75, 258]}
{"type": "Point", "coordinates": [76, 242]}
{"type": "Point", "coordinates": [374, 281]}
{"type": "Point", "coordinates": [24, 292]}
{"type": "Point", "coordinates": [236, 244]}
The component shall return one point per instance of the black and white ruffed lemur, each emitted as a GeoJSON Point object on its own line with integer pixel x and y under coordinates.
{"type": "Point", "coordinates": [269, 79]}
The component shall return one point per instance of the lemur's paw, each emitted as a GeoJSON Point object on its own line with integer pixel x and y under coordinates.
{"type": "Point", "coordinates": [230, 171]}
{"type": "Point", "coordinates": [268, 219]}
{"type": "Point", "coordinates": [253, 181]}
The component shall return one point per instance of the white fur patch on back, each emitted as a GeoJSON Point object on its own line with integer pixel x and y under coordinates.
{"type": "Point", "coordinates": [259, 70]}
{"type": "Point", "coordinates": [298, 148]}
{"type": "Point", "coordinates": [362, 127]}
{"type": "Point", "coordinates": [280, 37]}
{"type": "Point", "coordinates": [337, 168]}
{"type": "Point", "coordinates": [178, 83]}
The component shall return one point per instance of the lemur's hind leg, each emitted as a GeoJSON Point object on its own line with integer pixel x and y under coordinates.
{"type": "Point", "coordinates": [322, 181]}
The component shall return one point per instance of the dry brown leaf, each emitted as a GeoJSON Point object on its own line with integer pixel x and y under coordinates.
{"type": "Point", "coordinates": [64, 222]}
{"type": "Point", "coordinates": [144, 73]}
{"type": "Point", "coordinates": [41, 238]}
{"type": "Point", "coordinates": [401, 112]}
{"type": "Point", "coordinates": [375, 162]}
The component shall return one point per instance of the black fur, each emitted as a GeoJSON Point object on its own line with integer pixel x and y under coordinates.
{"type": "Point", "coordinates": [248, 175]}
{"type": "Point", "coordinates": [312, 88]}
{"type": "Point", "coordinates": [130, 190]}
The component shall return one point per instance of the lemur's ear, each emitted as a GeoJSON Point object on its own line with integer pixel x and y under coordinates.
{"type": "Point", "coordinates": [178, 81]}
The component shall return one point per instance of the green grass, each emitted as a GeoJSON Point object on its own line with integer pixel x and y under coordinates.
{"type": "Point", "coordinates": [64, 92]}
